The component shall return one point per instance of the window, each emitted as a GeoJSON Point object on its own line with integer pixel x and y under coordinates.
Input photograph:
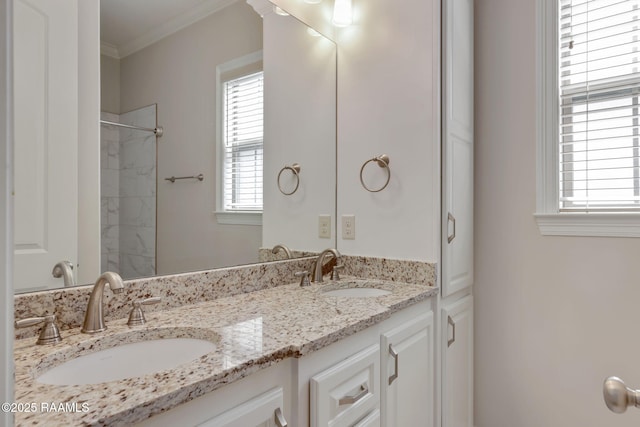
{"type": "Point", "coordinates": [243, 124]}
{"type": "Point", "coordinates": [589, 117]}
{"type": "Point", "coordinates": [240, 141]}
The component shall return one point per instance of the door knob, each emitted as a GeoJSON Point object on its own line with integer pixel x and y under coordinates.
{"type": "Point", "coordinates": [618, 396]}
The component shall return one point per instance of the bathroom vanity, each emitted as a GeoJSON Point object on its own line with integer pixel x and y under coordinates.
{"type": "Point", "coordinates": [281, 353]}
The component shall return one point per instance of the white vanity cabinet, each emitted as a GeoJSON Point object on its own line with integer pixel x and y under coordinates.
{"type": "Point", "coordinates": [407, 381]}
{"type": "Point", "coordinates": [345, 384]}
{"type": "Point", "coordinates": [406, 400]}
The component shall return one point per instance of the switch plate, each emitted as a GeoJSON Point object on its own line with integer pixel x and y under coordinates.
{"type": "Point", "coordinates": [324, 226]}
{"type": "Point", "coordinates": [348, 227]}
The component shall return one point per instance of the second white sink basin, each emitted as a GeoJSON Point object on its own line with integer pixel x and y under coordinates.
{"type": "Point", "coordinates": [355, 288]}
{"type": "Point", "coordinates": [356, 292]}
{"type": "Point", "coordinates": [127, 361]}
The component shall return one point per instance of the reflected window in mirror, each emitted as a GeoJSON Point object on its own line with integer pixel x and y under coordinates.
{"type": "Point", "coordinates": [240, 145]}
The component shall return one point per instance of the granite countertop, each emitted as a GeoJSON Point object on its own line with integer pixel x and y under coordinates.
{"type": "Point", "coordinates": [252, 331]}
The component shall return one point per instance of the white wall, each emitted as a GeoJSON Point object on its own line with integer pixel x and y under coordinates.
{"type": "Point", "coordinates": [554, 315]}
{"type": "Point", "coordinates": [188, 236]}
{"type": "Point", "coordinates": [6, 210]}
{"type": "Point", "coordinates": [388, 103]}
{"type": "Point", "coordinates": [109, 84]}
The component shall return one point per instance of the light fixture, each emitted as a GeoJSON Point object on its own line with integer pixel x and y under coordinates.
{"type": "Point", "coordinates": [312, 1]}
{"type": "Point", "coordinates": [279, 11]}
{"type": "Point", "coordinates": [342, 13]}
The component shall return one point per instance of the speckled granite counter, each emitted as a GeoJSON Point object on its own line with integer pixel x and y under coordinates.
{"type": "Point", "coordinates": [252, 331]}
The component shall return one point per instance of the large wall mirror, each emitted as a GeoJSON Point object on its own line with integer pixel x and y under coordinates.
{"type": "Point", "coordinates": [246, 98]}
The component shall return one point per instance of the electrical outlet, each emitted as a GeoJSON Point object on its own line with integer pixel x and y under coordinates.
{"type": "Point", "coordinates": [349, 227]}
{"type": "Point", "coordinates": [324, 226]}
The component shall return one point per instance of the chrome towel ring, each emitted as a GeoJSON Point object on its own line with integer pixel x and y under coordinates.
{"type": "Point", "coordinates": [383, 162]}
{"type": "Point", "coordinates": [295, 169]}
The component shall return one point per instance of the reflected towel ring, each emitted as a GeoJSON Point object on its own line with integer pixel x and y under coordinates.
{"type": "Point", "coordinates": [295, 168]}
{"type": "Point", "coordinates": [383, 162]}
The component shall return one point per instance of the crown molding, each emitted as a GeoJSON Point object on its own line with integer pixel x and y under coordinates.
{"type": "Point", "coordinates": [107, 49]}
{"type": "Point", "coordinates": [173, 25]}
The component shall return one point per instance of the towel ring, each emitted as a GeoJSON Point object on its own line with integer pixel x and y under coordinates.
{"type": "Point", "coordinates": [383, 162]}
{"type": "Point", "coordinates": [295, 168]}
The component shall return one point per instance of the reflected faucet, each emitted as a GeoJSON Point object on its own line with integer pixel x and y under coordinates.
{"type": "Point", "coordinates": [282, 247]}
{"type": "Point", "coordinates": [64, 269]}
{"type": "Point", "coordinates": [317, 269]}
{"type": "Point", "coordinates": [94, 317]}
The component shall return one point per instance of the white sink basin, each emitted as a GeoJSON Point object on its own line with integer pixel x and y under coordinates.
{"type": "Point", "coordinates": [127, 361]}
{"type": "Point", "coordinates": [354, 288]}
{"type": "Point", "coordinates": [356, 292]}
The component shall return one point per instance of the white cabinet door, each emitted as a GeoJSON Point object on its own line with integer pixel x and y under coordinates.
{"type": "Point", "coordinates": [457, 146]}
{"type": "Point", "coordinates": [407, 356]}
{"type": "Point", "coordinates": [265, 410]}
{"type": "Point", "coordinates": [46, 139]}
{"type": "Point", "coordinates": [457, 363]}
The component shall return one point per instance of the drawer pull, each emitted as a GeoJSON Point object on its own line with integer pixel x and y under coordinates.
{"type": "Point", "coordinates": [394, 354]}
{"type": "Point", "coordinates": [279, 418]}
{"type": "Point", "coordinates": [348, 400]}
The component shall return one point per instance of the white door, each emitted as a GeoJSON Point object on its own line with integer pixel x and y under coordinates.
{"type": "Point", "coordinates": [407, 362]}
{"type": "Point", "coordinates": [457, 133]}
{"type": "Point", "coordinates": [46, 139]}
{"type": "Point", "coordinates": [457, 363]}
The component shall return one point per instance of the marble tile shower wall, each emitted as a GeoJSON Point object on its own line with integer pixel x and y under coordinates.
{"type": "Point", "coordinates": [138, 195]}
{"type": "Point", "coordinates": [128, 194]}
{"type": "Point", "coordinates": [109, 194]}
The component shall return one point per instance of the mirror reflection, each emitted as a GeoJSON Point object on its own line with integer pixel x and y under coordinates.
{"type": "Point", "coordinates": [240, 99]}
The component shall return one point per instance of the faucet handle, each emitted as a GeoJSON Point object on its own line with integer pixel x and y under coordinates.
{"type": "Point", "coordinates": [136, 316]}
{"type": "Point", "coordinates": [335, 272]}
{"type": "Point", "coordinates": [304, 277]}
{"type": "Point", "coordinates": [49, 334]}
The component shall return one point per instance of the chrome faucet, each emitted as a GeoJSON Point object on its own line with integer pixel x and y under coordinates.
{"type": "Point", "coordinates": [64, 269]}
{"type": "Point", "coordinates": [317, 269]}
{"type": "Point", "coordinates": [94, 317]}
{"type": "Point", "coordinates": [278, 247]}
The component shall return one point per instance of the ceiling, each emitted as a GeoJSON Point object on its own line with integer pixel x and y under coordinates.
{"type": "Point", "coordinates": [129, 25]}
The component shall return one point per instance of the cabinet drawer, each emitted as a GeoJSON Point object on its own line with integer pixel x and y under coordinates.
{"type": "Point", "coordinates": [347, 391]}
{"type": "Point", "coordinates": [371, 420]}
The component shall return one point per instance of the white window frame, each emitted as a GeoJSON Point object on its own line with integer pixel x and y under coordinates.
{"type": "Point", "coordinates": [551, 221]}
{"type": "Point", "coordinates": [223, 216]}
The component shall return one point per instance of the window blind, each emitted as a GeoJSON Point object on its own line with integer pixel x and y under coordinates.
{"type": "Point", "coordinates": [243, 143]}
{"type": "Point", "coordinates": [599, 97]}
